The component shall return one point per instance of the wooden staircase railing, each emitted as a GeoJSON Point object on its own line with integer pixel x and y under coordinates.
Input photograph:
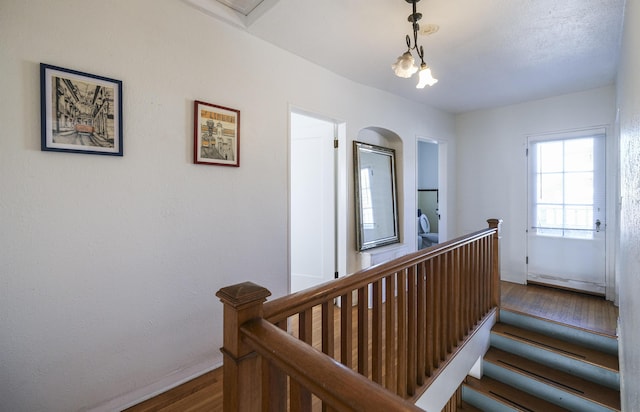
{"type": "Point", "coordinates": [398, 325]}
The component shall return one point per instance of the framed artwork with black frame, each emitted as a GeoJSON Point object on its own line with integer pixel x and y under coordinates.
{"type": "Point", "coordinates": [80, 112]}
{"type": "Point", "coordinates": [216, 135]}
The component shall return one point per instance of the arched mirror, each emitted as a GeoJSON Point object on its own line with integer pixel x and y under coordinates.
{"type": "Point", "coordinates": [376, 199]}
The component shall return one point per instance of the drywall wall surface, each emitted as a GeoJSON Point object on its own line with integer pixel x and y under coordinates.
{"type": "Point", "coordinates": [492, 165]}
{"type": "Point", "coordinates": [109, 265]}
{"type": "Point", "coordinates": [628, 269]}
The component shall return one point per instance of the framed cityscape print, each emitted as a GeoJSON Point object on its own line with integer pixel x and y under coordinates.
{"type": "Point", "coordinates": [80, 112]}
{"type": "Point", "coordinates": [216, 135]}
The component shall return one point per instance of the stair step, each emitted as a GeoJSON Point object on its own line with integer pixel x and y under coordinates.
{"type": "Point", "coordinates": [490, 395]}
{"type": "Point", "coordinates": [579, 390]}
{"type": "Point", "coordinates": [467, 407]}
{"type": "Point", "coordinates": [588, 355]}
{"type": "Point", "coordinates": [588, 338]}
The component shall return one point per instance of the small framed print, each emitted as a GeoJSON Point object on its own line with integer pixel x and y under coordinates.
{"type": "Point", "coordinates": [80, 112]}
{"type": "Point", "coordinates": [216, 135]}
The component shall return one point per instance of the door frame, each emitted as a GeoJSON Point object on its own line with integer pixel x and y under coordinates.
{"type": "Point", "coordinates": [443, 234]}
{"type": "Point", "coordinates": [340, 189]}
{"type": "Point", "coordinates": [612, 200]}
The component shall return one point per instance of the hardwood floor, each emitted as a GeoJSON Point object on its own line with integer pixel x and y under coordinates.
{"type": "Point", "coordinates": [584, 311]}
{"type": "Point", "coordinates": [588, 312]}
{"type": "Point", "coordinates": [198, 395]}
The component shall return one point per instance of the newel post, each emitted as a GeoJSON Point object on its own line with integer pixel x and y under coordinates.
{"type": "Point", "coordinates": [242, 378]}
{"type": "Point", "coordinates": [495, 266]}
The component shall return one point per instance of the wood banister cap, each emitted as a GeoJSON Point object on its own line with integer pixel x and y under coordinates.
{"type": "Point", "coordinates": [494, 223]}
{"type": "Point", "coordinates": [242, 294]}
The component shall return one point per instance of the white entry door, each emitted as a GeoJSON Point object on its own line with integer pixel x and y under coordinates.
{"type": "Point", "coordinates": [566, 233]}
{"type": "Point", "coordinates": [313, 201]}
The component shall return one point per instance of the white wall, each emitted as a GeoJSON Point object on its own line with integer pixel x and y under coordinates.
{"type": "Point", "coordinates": [491, 162]}
{"type": "Point", "coordinates": [628, 87]}
{"type": "Point", "coordinates": [427, 165]}
{"type": "Point", "coordinates": [109, 265]}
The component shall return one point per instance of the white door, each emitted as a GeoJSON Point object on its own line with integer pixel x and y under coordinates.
{"type": "Point", "coordinates": [566, 233]}
{"type": "Point", "coordinates": [313, 201]}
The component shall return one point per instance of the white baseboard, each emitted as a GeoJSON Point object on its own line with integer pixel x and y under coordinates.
{"type": "Point", "coordinates": [142, 394]}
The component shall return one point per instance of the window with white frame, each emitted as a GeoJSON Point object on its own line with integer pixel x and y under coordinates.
{"type": "Point", "coordinates": [565, 188]}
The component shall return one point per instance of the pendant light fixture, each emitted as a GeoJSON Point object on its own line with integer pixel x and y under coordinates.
{"type": "Point", "coordinates": [405, 66]}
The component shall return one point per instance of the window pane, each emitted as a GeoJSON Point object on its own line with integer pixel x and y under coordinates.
{"type": "Point", "coordinates": [578, 188]}
{"type": "Point", "coordinates": [550, 157]}
{"type": "Point", "coordinates": [578, 155]}
{"type": "Point", "coordinates": [564, 187]}
{"type": "Point", "coordinates": [578, 234]}
{"type": "Point", "coordinates": [579, 217]}
{"type": "Point", "coordinates": [549, 216]}
{"type": "Point", "coordinates": [550, 232]}
{"type": "Point", "coordinates": [550, 188]}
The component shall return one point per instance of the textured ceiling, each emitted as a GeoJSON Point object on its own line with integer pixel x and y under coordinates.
{"type": "Point", "coordinates": [486, 53]}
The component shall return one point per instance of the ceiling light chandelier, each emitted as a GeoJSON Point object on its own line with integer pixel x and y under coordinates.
{"type": "Point", "coordinates": [405, 66]}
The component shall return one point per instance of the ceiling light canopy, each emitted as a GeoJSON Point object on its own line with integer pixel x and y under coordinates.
{"type": "Point", "coordinates": [245, 7]}
{"type": "Point", "coordinates": [405, 66]}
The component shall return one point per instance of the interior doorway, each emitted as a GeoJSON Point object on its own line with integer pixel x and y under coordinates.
{"type": "Point", "coordinates": [314, 200]}
{"type": "Point", "coordinates": [431, 199]}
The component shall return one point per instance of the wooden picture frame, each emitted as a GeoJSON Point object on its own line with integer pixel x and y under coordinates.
{"type": "Point", "coordinates": [80, 112]}
{"type": "Point", "coordinates": [216, 135]}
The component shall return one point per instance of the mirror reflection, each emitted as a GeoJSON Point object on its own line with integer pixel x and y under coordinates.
{"type": "Point", "coordinates": [376, 202]}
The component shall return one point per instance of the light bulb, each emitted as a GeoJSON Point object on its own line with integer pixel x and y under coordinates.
{"type": "Point", "coordinates": [425, 77]}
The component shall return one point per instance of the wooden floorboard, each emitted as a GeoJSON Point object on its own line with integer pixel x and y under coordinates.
{"type": "Point", "coordinates": [583, 311]}
{"type": "Point", "coordinates": [203, 393]}
{"type": "Point", "coordinates": [572, 308]}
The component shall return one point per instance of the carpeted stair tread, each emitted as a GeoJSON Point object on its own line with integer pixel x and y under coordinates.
{"type": "Point", "coordinates": [577, 386]}
{"type": "Point", "coordinates": [510, 396]}
{"type": "Point", "coordinates": [568, 349]}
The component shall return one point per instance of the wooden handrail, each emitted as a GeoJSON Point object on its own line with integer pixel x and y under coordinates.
{"type": "Point", "coordinates": [398, 324]}
{"type": "Point", "coordinates": [338, 386]}
{"type": "Point", "coordinates": [291, 304]}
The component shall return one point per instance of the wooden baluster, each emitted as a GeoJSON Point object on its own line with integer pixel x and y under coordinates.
{"type": "Point", "coordinates": [483, 270]}
{"type": "Point", "coordinates": [473, 286]}
{"type": "Point", "coordinates": [390, 333]}
{"type": "Point", "coordinates": [464, 295]}
{"type": "Point", "coordinates": [242, 381]}
{"type": "Point", "coordinates": [421, 323]}
{"type": "Point", "coordinates": [402, 334]}
{"type": "Point", "coordinates": [363, 331]}
{"type": "Point", "coordinates": [376, 333]}
{"type": "Point", "coordinates": [467, 290]}
{"type": "Point", "coordinates": [446, 305]}
{"type": "Point", "coordinates": [432, 319]}
{"type": "Point", "coordinates": [486, 268]}
{"type": "Point", "coordinates": [300, 397]}
{"type": "Point", "coordinates": [328, 335]}
{"type": "Point", "coordinates": [439, 290]}
{"type": "Point", "coordinates": [346, 329]}
{"type": "Point", "coordinates": [495, 267]}
{"type": "Point", "coordinates": [274, 380]}
{"type": "Point", "coordinates": [328, 328]}
{"type": "Point", "coordinates": [486, 265]}
{"type": "Point", "coordinates": [475, 250]}
{"type": "Point", "coordinates": [412, 329]}
{"type": "Point", "coordinates": [455, 295]}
